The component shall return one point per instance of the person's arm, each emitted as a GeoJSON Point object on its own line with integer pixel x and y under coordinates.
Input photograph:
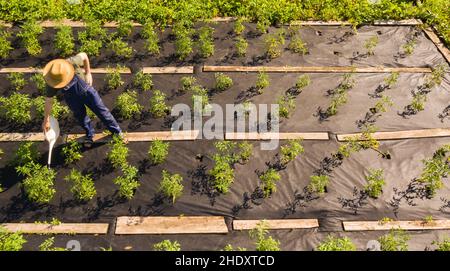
{"type": "Point", "coordinates": [47, 110]}
{"type": "Point", "coordinates": [87, 67]}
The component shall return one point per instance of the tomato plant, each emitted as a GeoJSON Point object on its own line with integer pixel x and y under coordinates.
{"type": "Point", "coordinates": [241, 45]}
{"type": "Point", "coordinates": [187, 83]}
{"type": "Point", "coordinates": [118, 152]}
{"type": "Point", "coordinates": [11, 241]}
{"type": "Point", "coordinates": [336, 244]}
{"type": "Point", "coordinates": [39, 182]}
{"type": "Point", "coordinates": [128, 181]}
{"type": "Point", "coordinates": [158, 106]}
{"type": "Point", "coordinates": [222, 174]}
{"type": "Point", "coordinates": [16, 108]}
{"type": "Point", "coordinates": [39, 81]}
{"type": "Point", "coordinates": [302, 82]}
{"type": "Point", "coordinates": [58, 109]}
{"type": "Point", "coordinates": [29, 34]}
{"type": "Point", "coordinates": [223, 82]}
{"type": "Point", "coordinates": [200, 95]}
{"type": "Point", "coordinates": [262, 81]}
{"type": "Point", "coordinates": [124, 27]}
{"type": "Point", "coordinates": [72, 151]}
{"type": "Point", "coordinates": [113, 77]}
{"type": "Point", "coordinates": [297, 45]}
{"type": "Point", "coordinates": [291, 150]}
{"type": "Point", "coordinates": [370, 45]}
{"type": "Point", "coordinates": [318, 184]}
{"type": "Point", "coordinates": [286, 105]}
{"type": "Point", "coordinates": [206, 41]}
{"type": "Point", "coordinates": [17, 80]}
{"type": "Point", "coordinates": [269, 180]}
{"type": "Point", "coordinates": [158, 151]}
{"type": "Point", "coordinates": [120, 47]}
{"type": "Point", "coordinates": [262, 241]}
{"type": "Point", "coordinates": [238, 26]}
{"type": "Point", "coordinates": [395, 240]}
{"type": "Point", "coordinates": [5, 43]}
{"type": "Point", "coordinates": [127, 104]}
{"type": "Point", "coordinates": [64, 40]}
{"type": "Point", "coordinates": [83, 187]}
{"type": "Point", "coordinates": [167, 245]}
{"type": "Point", "coordinates": [375, 183]}
{"type": "Point", "coordinates": [171, 185]}
{"type": "Point", "coordinates": [151, 37]}
{"type": "Point", "coordinates": [143, 81]}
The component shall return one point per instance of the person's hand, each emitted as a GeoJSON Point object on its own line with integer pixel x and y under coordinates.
{"type": "Point", "coordinates": [89, 78]}
{"type": "Point", "coordinates": [46, 125]}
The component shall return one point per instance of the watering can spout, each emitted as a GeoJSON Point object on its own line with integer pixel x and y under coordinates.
{"type": "Point", "coordinates": [51, 136]}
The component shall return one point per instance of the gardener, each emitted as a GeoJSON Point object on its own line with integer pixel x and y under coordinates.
{"type": "Point", "coordinates": [66, 76]}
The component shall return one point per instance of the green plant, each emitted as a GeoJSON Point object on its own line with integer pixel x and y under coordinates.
{"type": "Point", "coordinates": [64, 40]}
{"type": "Point", "coordinates": [158, 151]}
{"type": "Point", "coordinates": [11, 241]}
{"type": "Point", "coordinates": [229, 247]}
{"type": "Point", "coordinates": [291, 150]}
{"type": "Point", "coordinates": [128, 182]}
{"type": "Point", "coordinates": [385, 220]}
{"type": "Point", "coordinates": [262, 81]}
{"type": "Point", "coordinates": [58, 109]}
{"type": "Point", "coordinates": [245, 151]}
{"type": "Point", "coordinates": [71, 151]}
{"type": "Point", "coordinates": [383, 103]}
{"type": "Point", "coordinates": [113, 77]}
{"type": "Point", "coordinates": [370, 45]}
{"type": "Point", "coordinates": [418, 102]}
{"type": "Point", "coordinates": [5, 43]}
{"type": "Point", "coordinates": [48, 245]}
{"type": "Point", "coordinates": [120, 47]}
{"type": "Point", "coordinates": [339, 95]}
{"type": "Point", "coordinates": [408, 47]}
{"type": "Point", "coordinates": [264, 242]}
{"type": "Point", "coordinates": [223, 82]}
{"type": "Point", "coordinates": [262, 25]}
{"type": "Point", "coordinates": [83, 187]}
{"type": "Point", "coordinates": [167, 245]}
{"type": "Point", "coordinates": [434, 169]}
{"type": "Point", "coordinates": [171, 185]}
{"type": "Point", "coordinates": [16, 108]}
{"type": "Point", "coordinates": [298, 46]}
{"type": "Point", "coordinates": [241, 45]}
{"type": "Point", "coordinates": [428, 220]}
{"type": "Point", "coordinates": [392, 79]}
{"type": "Point", "coordinates": [183, 40]}
{"type": "Point", "coordinates": [239, 26]}
{"type": "Point", "coordinates": [158, 106]}
{"type": "Point", "coordinates": [200, 95]}
{"type": "Point", "coordinates": [441, 246]}
{"type": "Point", "coordinates": [149, 33]}
{"type": "Point", "coordinates": [124, 27]}
{"type": "Point", "coordinates": [395, 240]}
{"type": "Point", "coordinates": [26, 152]}
{"type": "Point", "coordinates": [143, 81]}
{"type": "Point", "coordinates": [127, 104]}
{"type": "Point", "coordinates": [222, 174]}
{"type": "Point", "coordinates": [286, 104]}
{"type": "Point", "coordinates": [118, 152]}
{"type": "Point", "coordinates": [39, 182]}
{"type": "Point", "coordinates": [17, 80]}
{"type": "Point", "coordinates": [375, 182]}
{"type": "Point", "coordinates": [29, 34]}
{"type": "Point", "coordinates": [336, 244]}
{"type": "Point", "coordinates": [268, 180]}
{"type": "Point", "coordinates": [39, 81]}
{"type": "Point", "coordinates": [302, 82]}
{"type": "Point", "coordinates": [436, 76]}
{"type": "Point", "coordinates": [205, 41]}
{"type": "Point", "coordinates": [92, 37]}
{"type": "Point", "coordinates": [318, 184]}
{"type": "Point", "coordinates": [274, 44]}
{"type": "Point", "coordinates": [187, 83]}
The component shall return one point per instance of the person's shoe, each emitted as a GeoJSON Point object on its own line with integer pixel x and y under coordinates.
{"type": "Point", "coordinates": [88, 142]}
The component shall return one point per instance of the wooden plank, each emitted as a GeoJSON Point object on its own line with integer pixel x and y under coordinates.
{"type": "Point", "coordinates": [170, 225]}
{"type": "Point", "coordinates": [63, 228]}
{"type": "Point", "coordinates": [280, 136]}
{"type": "Point", "coordinates": [155, 70]}
{"type": "Point", "coordinates": [439, 132]}
{"type": "Point", "coordinates": [23, 70]}
{"type": "Point", "coordinates": [222, 19]}
{"type": "Point", "coordinates": [315, 69]}
{"type": "Point", "coordinates": [277, 224]}
{"type": "Point", "coordinates": [435, 39]}
{"type": "Point", "coordinates": [132, 136]}
{"type": "Point", "coordinates": [4, 137]}
{"type": "Point", "coordinates": [146, 136]}
{"type": "Point", "coordinates": [407, 22]}
{"type": "Point", "coordinates": [320, 23]}
{"type": "Point", "coordinates": [405, 225]}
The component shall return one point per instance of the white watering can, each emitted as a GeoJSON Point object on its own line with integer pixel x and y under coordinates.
{"type": "Point", "coordinates": [51, 136]}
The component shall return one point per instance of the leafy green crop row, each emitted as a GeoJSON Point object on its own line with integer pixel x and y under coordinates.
{"type": "Point", "coordinates": [163, 12]}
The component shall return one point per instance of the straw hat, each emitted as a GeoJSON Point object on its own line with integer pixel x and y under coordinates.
{"type": "Point", "coordinates": [58, 73]}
